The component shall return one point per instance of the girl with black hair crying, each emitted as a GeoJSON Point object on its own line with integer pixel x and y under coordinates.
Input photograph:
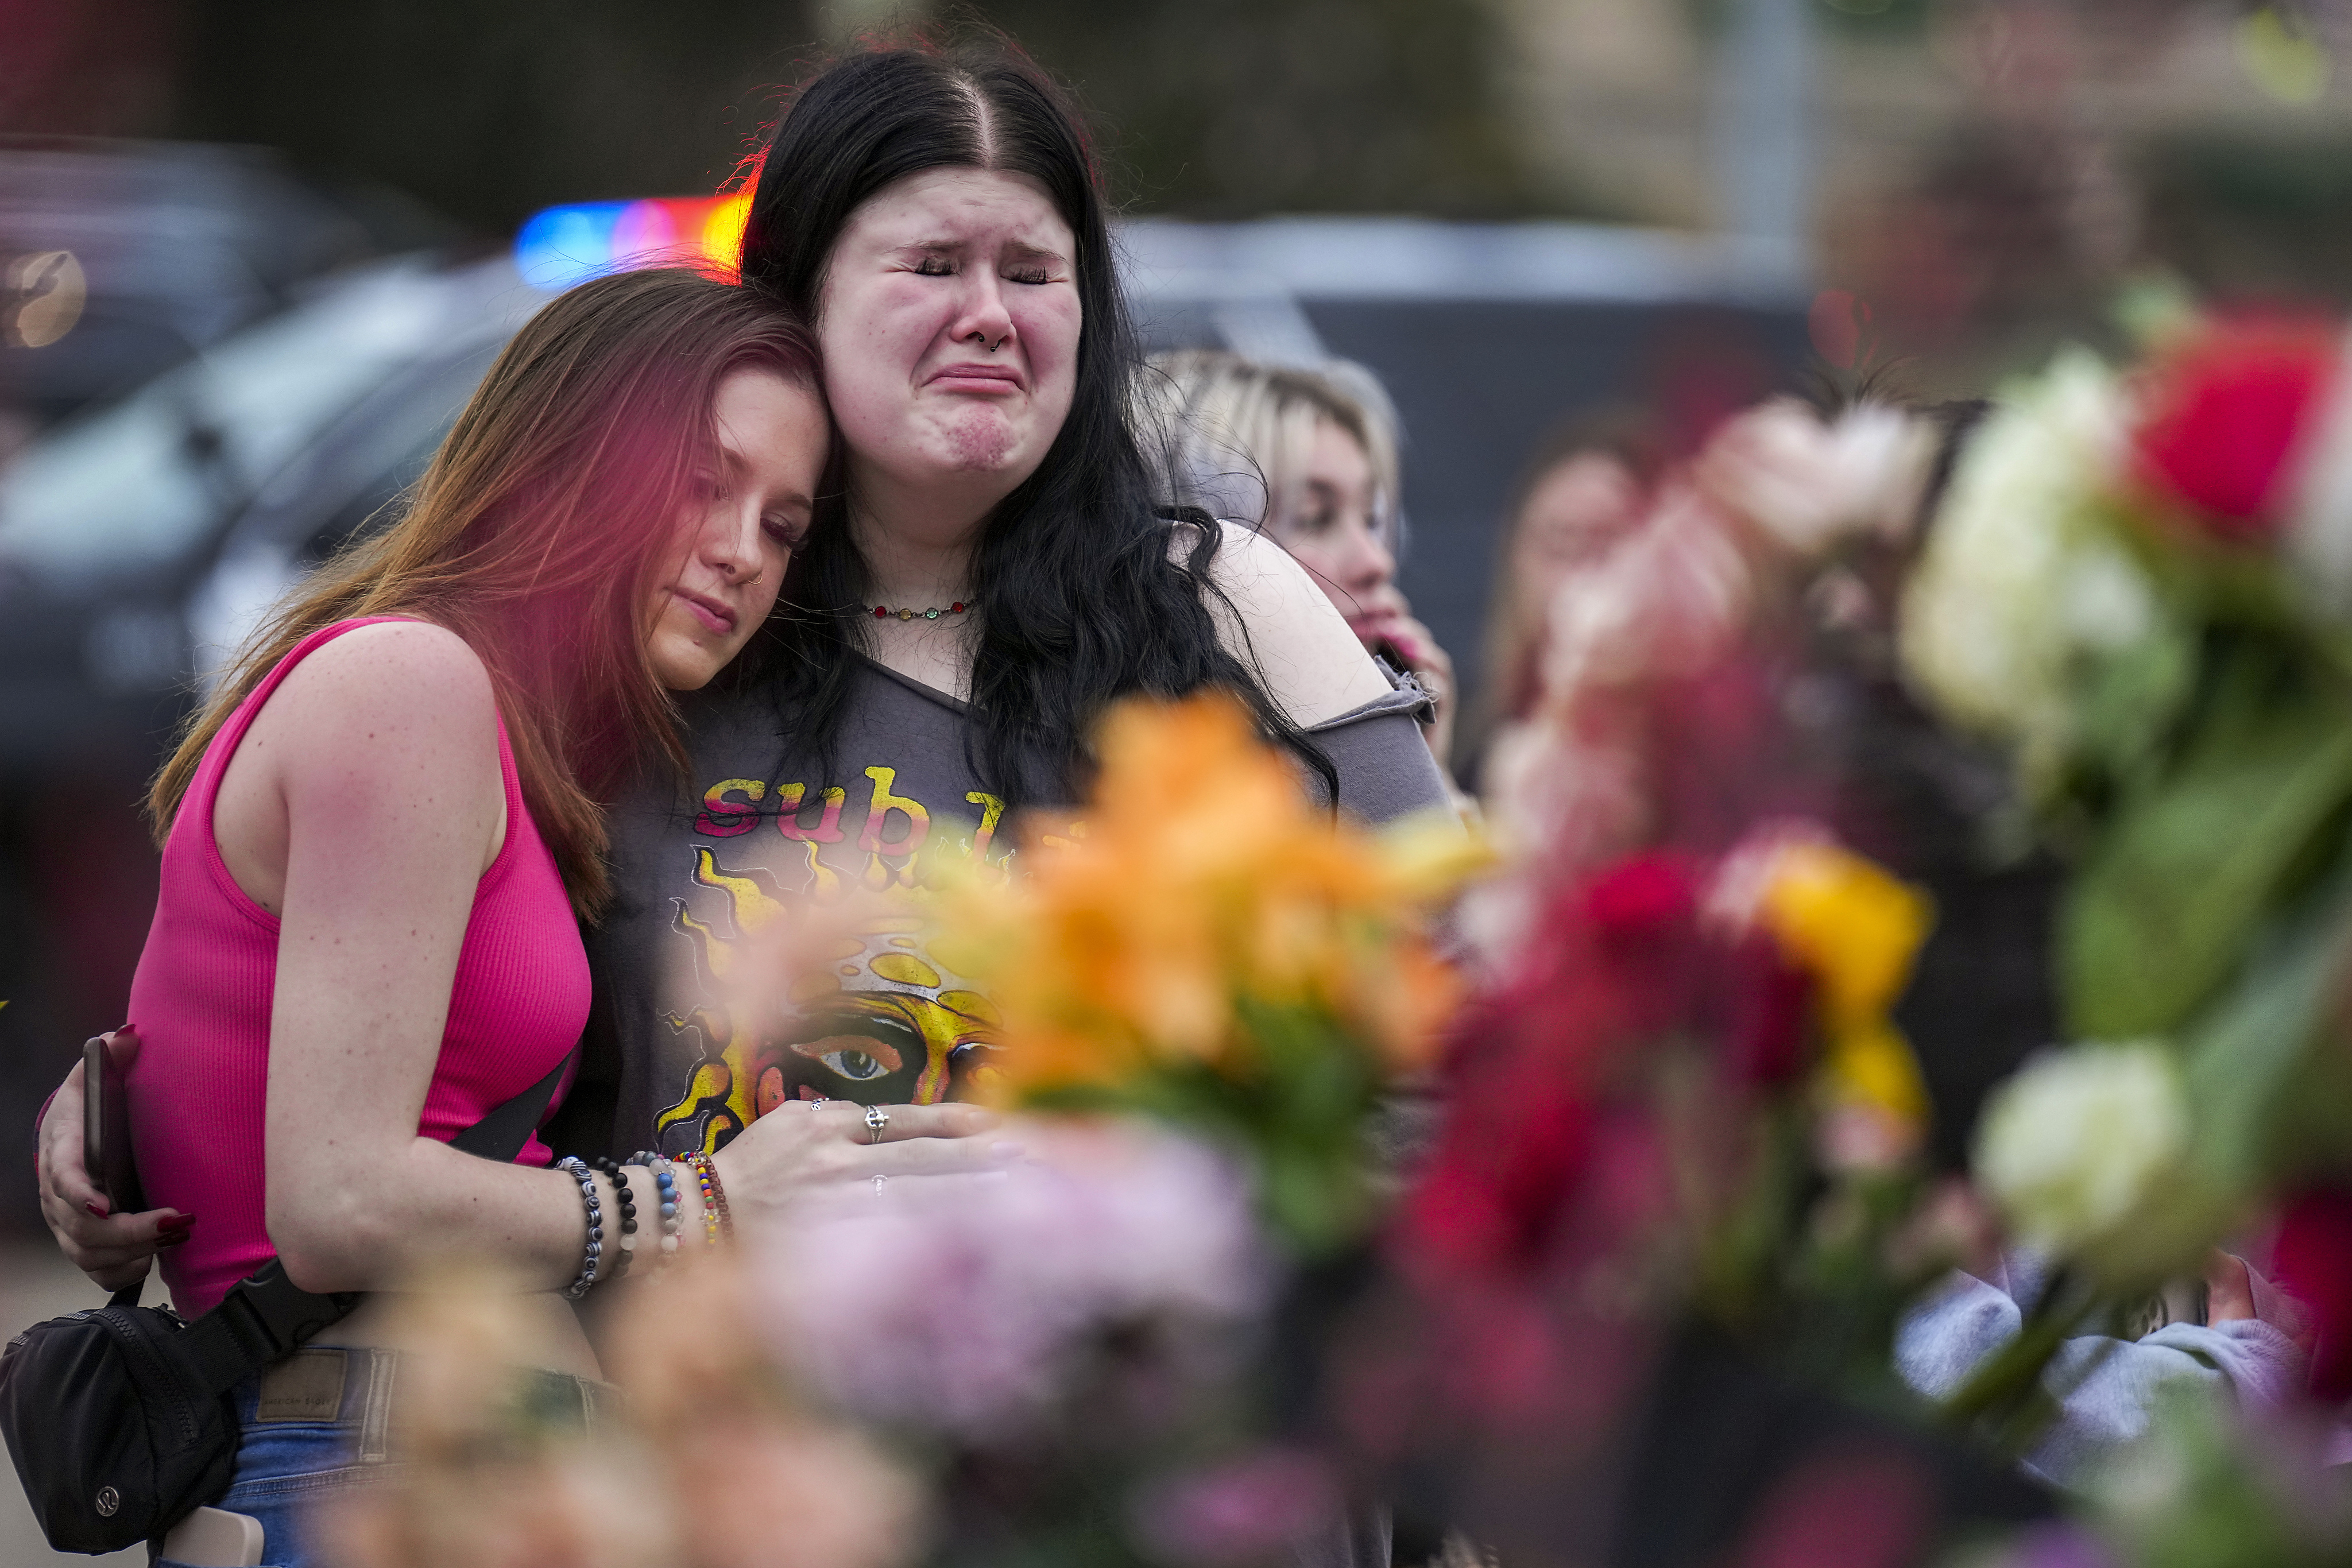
{"type": "Point", "coordinates": [991, 566]}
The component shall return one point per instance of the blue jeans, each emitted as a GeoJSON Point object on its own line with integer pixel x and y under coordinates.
{"type": "Point", "coordinates": [318, 1425]}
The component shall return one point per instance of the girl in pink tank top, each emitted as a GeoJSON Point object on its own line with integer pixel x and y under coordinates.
{"type": "Point", "coordinates": [381, 836]}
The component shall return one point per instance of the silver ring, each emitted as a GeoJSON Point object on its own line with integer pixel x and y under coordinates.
{"type": "Point", "coordinates": [820, 1100]}
{"type": "Point", "coordinates": [877, 1119]}
{"type": "Point", "coordinates": [878, 1182]}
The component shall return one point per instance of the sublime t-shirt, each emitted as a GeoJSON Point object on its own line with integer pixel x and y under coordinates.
{"type": "Point", "coordinates": [884, 1021]}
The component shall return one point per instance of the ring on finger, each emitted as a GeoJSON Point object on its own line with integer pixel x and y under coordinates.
{"type": "Point", "coordinates": [877, 1120]}
{"type": "Point", "coordinates": [880, 1182]}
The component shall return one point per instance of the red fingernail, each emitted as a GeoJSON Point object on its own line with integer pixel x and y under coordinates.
{"type": "Point", "coordinates": [177, 1225]}
{"type": "Point", "coordinates": [95, 1209]}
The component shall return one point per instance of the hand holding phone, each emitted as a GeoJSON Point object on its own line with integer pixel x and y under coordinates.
{"type": "Point", "coordinates": [106, 1129]}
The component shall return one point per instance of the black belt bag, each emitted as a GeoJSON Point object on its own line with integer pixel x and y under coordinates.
{"type": "Point", "coordinates": [119, 1419]}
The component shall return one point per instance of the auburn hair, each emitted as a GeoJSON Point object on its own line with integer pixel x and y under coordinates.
{"type": "Point", "coordinates": [537, 532]}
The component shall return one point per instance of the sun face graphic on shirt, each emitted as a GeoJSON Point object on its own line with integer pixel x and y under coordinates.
{"type": "Point", "coordinates": [882, 1022]}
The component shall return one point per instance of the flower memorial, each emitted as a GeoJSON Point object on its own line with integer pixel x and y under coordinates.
{"type": "Point", "coordinates": [2136, 587]}
{"type": "Point", "coordinates": [1639, 1297]}
{"type": "Point", "coordinates": [2172, 542]}
{"type": "Point", "coordinates": [1215, 953]}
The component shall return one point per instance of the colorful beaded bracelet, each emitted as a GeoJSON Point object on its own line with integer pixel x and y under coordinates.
{"type": "Point", "coordinates": [715, 1217]}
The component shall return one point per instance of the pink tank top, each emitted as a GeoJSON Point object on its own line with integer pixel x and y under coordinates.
{"type": "Point", "coordinates": [202, 997]}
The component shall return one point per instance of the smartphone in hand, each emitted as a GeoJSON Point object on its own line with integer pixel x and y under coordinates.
{"type": "Point", "coordinates": [106, 1130]}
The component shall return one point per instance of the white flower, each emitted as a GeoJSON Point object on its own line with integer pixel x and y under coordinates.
{"type": "Point", "coordinates": [2021, 579]}
{"type": "Point", "coordinates": [1806, 485]}
{"type": "Point", "coordinates": [2083, 1142]}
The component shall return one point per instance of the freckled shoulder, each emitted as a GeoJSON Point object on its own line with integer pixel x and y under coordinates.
{"type": "Point", "coordinates": [1278, 619]}
{"type": "Point", "coordinates": [393, 687]}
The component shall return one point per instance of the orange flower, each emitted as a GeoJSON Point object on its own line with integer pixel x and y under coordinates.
{"type": "Point", "coordinates": [1204, 879]}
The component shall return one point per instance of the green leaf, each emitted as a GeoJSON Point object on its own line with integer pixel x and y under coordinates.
{"type": "Point", "coordinates": [2173, 894]}
{"type": "Point", "coordinates": [2269, 1075]}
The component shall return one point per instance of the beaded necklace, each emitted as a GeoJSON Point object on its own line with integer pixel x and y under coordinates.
{"type": "Point", "coordinates": [883, 613]}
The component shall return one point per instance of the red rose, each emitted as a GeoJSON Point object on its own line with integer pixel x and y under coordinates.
{"type": "Point", "coordinates": [2312, 1262]}
{"type": "Point", "coordinates": [2221, 416]}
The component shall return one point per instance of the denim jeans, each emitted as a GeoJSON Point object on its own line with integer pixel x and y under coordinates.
{"type": "Point", "coordinates": [318, 1425]}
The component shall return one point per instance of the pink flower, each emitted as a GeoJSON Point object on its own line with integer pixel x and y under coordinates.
{"type": "Point", "coordinates": [969, 1306]}
{"type": "Point", "coordinates": [1246, 1511]}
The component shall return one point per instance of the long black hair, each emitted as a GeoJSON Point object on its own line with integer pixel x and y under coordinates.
{"type": "Point", "coordinates": [1086, 586]}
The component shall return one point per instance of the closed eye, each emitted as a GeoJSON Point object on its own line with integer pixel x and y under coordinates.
{"type": "Point", "coordinates": [934, 266]}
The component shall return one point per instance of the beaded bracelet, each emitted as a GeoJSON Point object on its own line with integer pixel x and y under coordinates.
{"type": "Point", "coordinates": [628, 1245]}
{"type": "Point", "coordinates": [666, 1190]}
{"type": "Point", "coordinates": [715, 1217]}
{"type": "Point", "coordinates": [592, 1255]}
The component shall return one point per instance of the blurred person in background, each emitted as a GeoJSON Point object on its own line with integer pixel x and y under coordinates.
{"type": "Point", "coordinates": [1583, 490]}
{"type": "Point", "coordinates": [381, 833]}
{"type": "Point", "coordinates": [1310, 456]}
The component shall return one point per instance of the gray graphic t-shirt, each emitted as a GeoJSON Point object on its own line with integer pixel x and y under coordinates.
{"type": "Point", "coordinates": [884, 1022]}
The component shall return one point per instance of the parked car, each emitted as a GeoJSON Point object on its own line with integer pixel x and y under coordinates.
{"type": "Point", "coordinates": [175, 246]}
{"type": "Point", "coordinates": [139, 542]}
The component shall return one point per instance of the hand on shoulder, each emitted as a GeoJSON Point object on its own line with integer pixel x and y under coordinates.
{"type": "Point", "coordinates": [1295, 635]}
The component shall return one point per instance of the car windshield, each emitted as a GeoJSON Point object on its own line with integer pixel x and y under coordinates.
{"type": "Point", "coordinates": [143, 480]}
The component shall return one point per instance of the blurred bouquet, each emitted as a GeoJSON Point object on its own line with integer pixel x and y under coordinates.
{"type": "Point", "coordinates": [1202, 988]}
{"type": "Point", "coordinates": [1644, 1291]}
{"type": "Point", "coordinates": [1213, 951]}
{"type": "Point", "coordinates": [711, 1460]}
{"type": "Point", "coordinates": [2140, 584]}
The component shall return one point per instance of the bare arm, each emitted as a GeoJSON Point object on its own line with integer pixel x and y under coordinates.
{"type": "Point", "coordinates": [1294, 634]}
{"type": "Point", "coordinates": [380, 755]}
{"type": "Point", "coordinates": [392, 807]}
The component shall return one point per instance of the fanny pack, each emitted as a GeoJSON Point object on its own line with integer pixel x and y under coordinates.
{"type": "Point", "coordinates": [119, 1417]}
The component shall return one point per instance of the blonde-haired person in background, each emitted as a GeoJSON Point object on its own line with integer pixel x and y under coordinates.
{"type": "Point", "coordinates": [1583, 490]}
{"type": "Point", "coordinates": [1310, 456]}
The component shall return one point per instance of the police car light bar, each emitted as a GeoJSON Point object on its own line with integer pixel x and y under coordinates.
{"type": "Point", "coordinates": [564, 245]}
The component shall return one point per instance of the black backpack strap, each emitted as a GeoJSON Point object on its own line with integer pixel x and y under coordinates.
{"type": "Point", "coordinates": [266, 1316]}
{"type": "Point", "coordinates": [501, 1134]}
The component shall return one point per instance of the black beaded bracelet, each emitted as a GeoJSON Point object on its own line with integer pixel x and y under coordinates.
{"type": "Point", "coordinates": [592, 1256]}
{"type": "Point", "coordinates": [628, 1244]}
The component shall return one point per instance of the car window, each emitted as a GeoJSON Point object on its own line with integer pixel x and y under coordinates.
{"type": "Point", "coordinates": [341, 487]}
{"type": "Point", "coordinates": [147, 478]}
